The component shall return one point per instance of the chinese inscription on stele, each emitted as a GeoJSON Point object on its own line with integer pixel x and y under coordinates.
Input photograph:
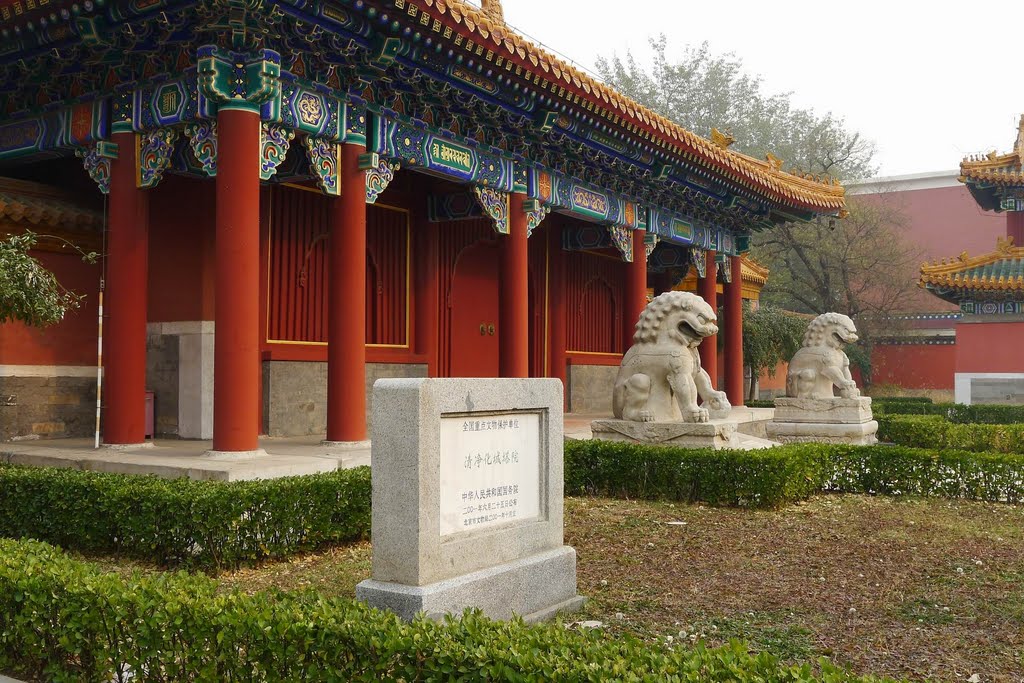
{"type": "Point", "coordinates": [490, 470]}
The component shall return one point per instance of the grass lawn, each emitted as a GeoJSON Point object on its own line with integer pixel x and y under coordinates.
{"type": "Point", "coordinates": [922, 588]}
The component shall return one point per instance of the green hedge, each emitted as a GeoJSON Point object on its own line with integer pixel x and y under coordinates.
{"type": "Point", "coordinates": [935, 431]}
{"type": "Point", "coordinates": [756, 478]}
{"type": "Point", "coordinates": [900, 399]}
{"type": "Point", "coordinates": [776, 476]}
{"type": "Point", "coordinates": [897, 402]}
{"type": "Point", "coordinates": [179, 521]}
{"type": "Point", "coordinates": [62, 620]}
{"type": "Point", "coordinates": [956, 412]}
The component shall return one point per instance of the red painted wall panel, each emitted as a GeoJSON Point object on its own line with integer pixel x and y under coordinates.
{"type": "Point", "coordinates": [71, 341]}
{"type": "Point", "coordinates": [914, 366]}
{"type": "Point", "coordinates": [990, 347]}
{"type": "Point", "coordinates": [299, 269]}
{"type": "Point", "coordinates": [594, 287]}
{"type": "Point", "coordinates": [181, 249]}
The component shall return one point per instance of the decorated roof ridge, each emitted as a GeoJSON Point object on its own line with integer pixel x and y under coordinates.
{"type": "Point", "coordinates": [994, 167]}
{"type": "Point", "coordinates": [824, 196]}
{"type": "Point", "coordinates": [34, 205]}
{"type": "Point", "coordinates": [1002, 269]}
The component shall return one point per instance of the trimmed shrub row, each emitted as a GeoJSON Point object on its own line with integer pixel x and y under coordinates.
{"type": "Point", "coordinates": [935, 431]}
{"type": "Point", "coordinates": [776, 476]}
{"type": "Point", "coordinates": [959, 412]}
{"type": "Point", "coordinates": [63, 620]}
{"type": "Point", "coordinates": [758, 478]}
{"type": "Point", "coordinates": [897, 401]}
{"type": "Point", "coordinates": [184, 522]}
{"type": "Point", "coordinates": [760, 403]}
{"type": "Point", "coordinates": [900, 399]}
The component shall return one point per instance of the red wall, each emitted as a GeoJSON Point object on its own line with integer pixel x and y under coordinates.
{"type": "Point", "coordinates": [181, 249]}
{"type": "Point", "coordinates": [71, 341]}
{"type": "Point", "coordinates": [990, 347]}
{"type": "Point", "coordinates": [942, 222]}
{"type": "Point", "coordinates": [914, 366]}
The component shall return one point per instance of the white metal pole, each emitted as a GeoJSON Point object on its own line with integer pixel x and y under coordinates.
{"type": "Point", "coordinates": [99, 367]}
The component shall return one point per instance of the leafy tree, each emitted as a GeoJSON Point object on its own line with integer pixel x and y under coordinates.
{"type": "Point", "coordinates": [29, 293]}
{"type": "Point", "coordinates": [770, 336]}
{"type": "Point", "coordinates": [861, 265]}
{"type": "Point", "coordinates": [702, 91]}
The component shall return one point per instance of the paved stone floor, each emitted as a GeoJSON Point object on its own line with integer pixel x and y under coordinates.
{"type": "Point", "coordinates": [283, 456]}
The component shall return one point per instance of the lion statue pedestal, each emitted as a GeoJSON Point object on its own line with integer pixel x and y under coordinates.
{"type": "Point", "coordinates": [660, 380]}
{"type": "Point", "coordinates": [811, 411]}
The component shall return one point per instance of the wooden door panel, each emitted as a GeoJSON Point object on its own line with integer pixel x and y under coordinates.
{"type": "Point", "coordinates": [474, 326]}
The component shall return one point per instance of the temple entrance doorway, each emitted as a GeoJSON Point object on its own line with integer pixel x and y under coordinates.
{"type": "Point", "coordinates": [474, 302]}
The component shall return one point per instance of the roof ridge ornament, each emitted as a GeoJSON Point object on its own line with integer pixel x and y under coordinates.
{"type": "Point", "coordinates": [722, 139]}
{"type": "Point", "coordinates": [492, 10]}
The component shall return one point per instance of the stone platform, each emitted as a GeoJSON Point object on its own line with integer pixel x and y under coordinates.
{"type": "Point", "coordinates": [829, 420]}
{"type": "Point", "coordinates": [173, 458]}
{"type": "Point", "coordinates": [284, 457]}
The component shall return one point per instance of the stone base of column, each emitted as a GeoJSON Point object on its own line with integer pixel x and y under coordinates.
{"type": "Point", "coordinates": [234, 455]}
{"type": "Point", "coordinates": [346, 445]}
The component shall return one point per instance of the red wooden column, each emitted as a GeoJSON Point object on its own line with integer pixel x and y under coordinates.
{"type": "Point", "coordinates": [426, 290]}
{"type": "Point", "coordinates": [514, 314]}
{"type": "Point", "coordinates": [734, 333]}
{"type": "Point", "coordinates": [556, 303]}
{"type": "Point", "coordinates": [124, 373]}
{"type": "Point", "coordinates": [346, 325]}
{"type": "Point", "coordinates": [707, 289]}
{"type": "Point", "coordinates": [636, 289]}
{"type": "Point", "coordinates": [236, 376]}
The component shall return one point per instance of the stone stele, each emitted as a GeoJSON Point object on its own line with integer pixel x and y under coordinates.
{"type": "Point", "coordinates": [811, 411]}
{"type": "Point", "coordinates": [660, 381]}
{"type": "Point", "coordinates": [467, 499]}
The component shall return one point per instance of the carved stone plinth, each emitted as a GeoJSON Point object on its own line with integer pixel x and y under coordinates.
{"type": "Point", "coordinates": [717, 434]}
{"type": "Point", "coordinates": [824, 410]}
{"type": "Point", "coordinates": [861, 434]}
{"type": "Point", "coordinates": [823, 420]}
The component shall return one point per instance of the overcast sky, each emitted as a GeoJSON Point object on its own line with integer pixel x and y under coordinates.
{"type": "Point", "coordinates": [928, 82]}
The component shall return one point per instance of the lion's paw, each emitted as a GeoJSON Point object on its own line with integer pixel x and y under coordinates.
{"type": "Point", "coordinates": [699, 415]}
{"type": "Point", "coordinates": [646, 416]}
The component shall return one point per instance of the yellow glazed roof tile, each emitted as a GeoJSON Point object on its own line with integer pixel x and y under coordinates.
{"type": "Point", "coordinates": [1003, 169]}
{"type": "Point", "coordinates": [1000, 270]}
{"type": "Point", "coordinates": [763, 176]}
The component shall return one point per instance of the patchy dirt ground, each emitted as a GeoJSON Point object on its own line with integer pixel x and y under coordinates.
{"type": "Point", "coordinates": [921, 588]}
{"type": "Point", "coordinates": [902, 587]}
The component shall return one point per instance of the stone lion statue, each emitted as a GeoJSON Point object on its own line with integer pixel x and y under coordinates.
{"type": "Point", "coordinates": [821, 363]}
{"type": "Point", "coordinates": [660, 377]}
